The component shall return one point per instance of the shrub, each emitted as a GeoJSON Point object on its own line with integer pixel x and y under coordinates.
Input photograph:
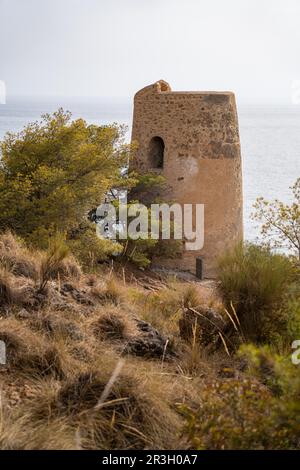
{"type": "Point", "coordinates": [264, 364]}
{"type": "Point", "coordinates": [139, 252]}
{"type": "Point", "coordinates": [255, 281]}
{"type": "Point", "coordinates": [256, 412]}
{"type": "Point", "coordinates": [244, 414]}
{"type": "Point", "coordinates": [233, 415]}
{"type": "Point", "coordinates": [91, 250]}
{"type": "Point", "coordinates": [148, 189]}
{"type": "Point", "coordinates": [290, 313]}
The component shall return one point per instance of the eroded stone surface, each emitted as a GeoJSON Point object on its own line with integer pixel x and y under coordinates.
{"type": "Point", "coordinates": [201, 163]}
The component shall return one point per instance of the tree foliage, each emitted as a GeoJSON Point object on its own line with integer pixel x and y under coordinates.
{"type": "Point", "coordinates": [54, 172]}
{"type": "Point", "coordinates": [280, 221]}
{"type": "Point", "coordinates": [147, 190]}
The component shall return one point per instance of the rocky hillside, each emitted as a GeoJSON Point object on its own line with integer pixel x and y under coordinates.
{"type": "Point", "coordinates": [93, 361]}
{"type": "Point", "coordinates": [118, 360]}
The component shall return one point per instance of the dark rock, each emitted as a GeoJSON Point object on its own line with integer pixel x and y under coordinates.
{"type": "Point", "coordinates": [150, 343]}
{"type": "Point", "coordinates": [226, 372]}
{"type": "Point", "coordinates": [66, 288]}
{"type": "Point", "coordinates": [206, 325]}
{"type": "Point", "coordinates": [39, 299]}
{"type": "Point", "coordinates": [147, 328]}
{"type": "Point", "coordinates": [79, 296]}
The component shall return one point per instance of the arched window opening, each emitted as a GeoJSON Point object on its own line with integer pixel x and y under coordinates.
{"type": "Point", "coordinates": [156, 152]}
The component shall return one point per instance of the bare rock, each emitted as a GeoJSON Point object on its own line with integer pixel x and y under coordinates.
{"type": "Point", "coordinates": [150, 343]}
{"type": "Point", "coordinates": [79, 296]}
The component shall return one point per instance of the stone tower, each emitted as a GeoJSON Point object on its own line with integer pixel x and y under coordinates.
{"type": "Point", "coordinates": [192, 139]}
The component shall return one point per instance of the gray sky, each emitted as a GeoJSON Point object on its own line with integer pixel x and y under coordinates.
{"type": "Point", "coordinates": [115, 47]}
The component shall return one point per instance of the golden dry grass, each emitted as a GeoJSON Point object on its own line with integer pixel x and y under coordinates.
{"type": "Point", "coordinates": [67, 385]}
{"type": "Point", "coordinates": [17, 258]}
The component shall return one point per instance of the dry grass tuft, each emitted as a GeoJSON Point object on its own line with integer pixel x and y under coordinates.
{"type": "Point", "coordinates": [163, 308]}
{"type": "Point", "coordinates": [110, 292]}
{"type": "Point", "coordinates": [130, 417]}
{"type": "Point", "coordinates": [192, 362]}
{"type": "Point", "coordinates": [29, 353]}
{"type": "Point", "coordinates": [18, 431]}
{"type": "Point", "coordinates": [54, 326]}
{"type": "Point", "coordinates": [190, 297]}
{"type": "Point", "coordinates": [55, 263]}
{"type": "Point", "coordinates": [114, 324]}
{"type": "Point", "coordinates": [52, 261]}
{"type": "Point", "coordinates": [18, 259]}
{"type": "Point", "coordinates": [67, 268]}
{"type": "Point", "coordinates": [65, 346]}
{"type": "Point", "coordinates": [7, 294]}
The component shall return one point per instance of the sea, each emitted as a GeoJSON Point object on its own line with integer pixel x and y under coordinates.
{"type": "Point", "coordinates": [270, 140]}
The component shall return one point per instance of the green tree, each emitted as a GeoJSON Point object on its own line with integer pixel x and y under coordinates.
{"type": "Point", "coordinates": [280, 221]}
{"type": "Point", "coordinates": [54, 172]}
{"type": "Point", "coordinates": [147, 189]}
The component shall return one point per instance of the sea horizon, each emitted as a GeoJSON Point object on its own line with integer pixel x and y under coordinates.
{"type": "Point", "coordinates": [270, 138]}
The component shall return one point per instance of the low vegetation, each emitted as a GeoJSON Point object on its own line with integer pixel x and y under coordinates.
{"type": "Point", "coordinates": [259, 412]}
{"type": "Point", "coordinates": [115, 361]}
{"type": "Point", "coordinates": [280, 222]}
{"type": "Point", "coordinates": [73, 378]}
{"type": "Point", "coordinates": [256, 284]}
{"type": "Point", "coordinates": [102, 355]}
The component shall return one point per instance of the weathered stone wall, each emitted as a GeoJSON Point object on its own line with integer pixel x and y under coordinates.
{"type": "Point", "coordinates": [202, 161]}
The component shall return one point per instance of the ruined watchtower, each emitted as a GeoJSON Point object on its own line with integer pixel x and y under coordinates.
{"type": "Point", "coordinates": [192, 139]}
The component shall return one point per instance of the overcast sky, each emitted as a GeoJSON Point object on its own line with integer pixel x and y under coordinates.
{"type": "Point", "coordinates": [115, 47]}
